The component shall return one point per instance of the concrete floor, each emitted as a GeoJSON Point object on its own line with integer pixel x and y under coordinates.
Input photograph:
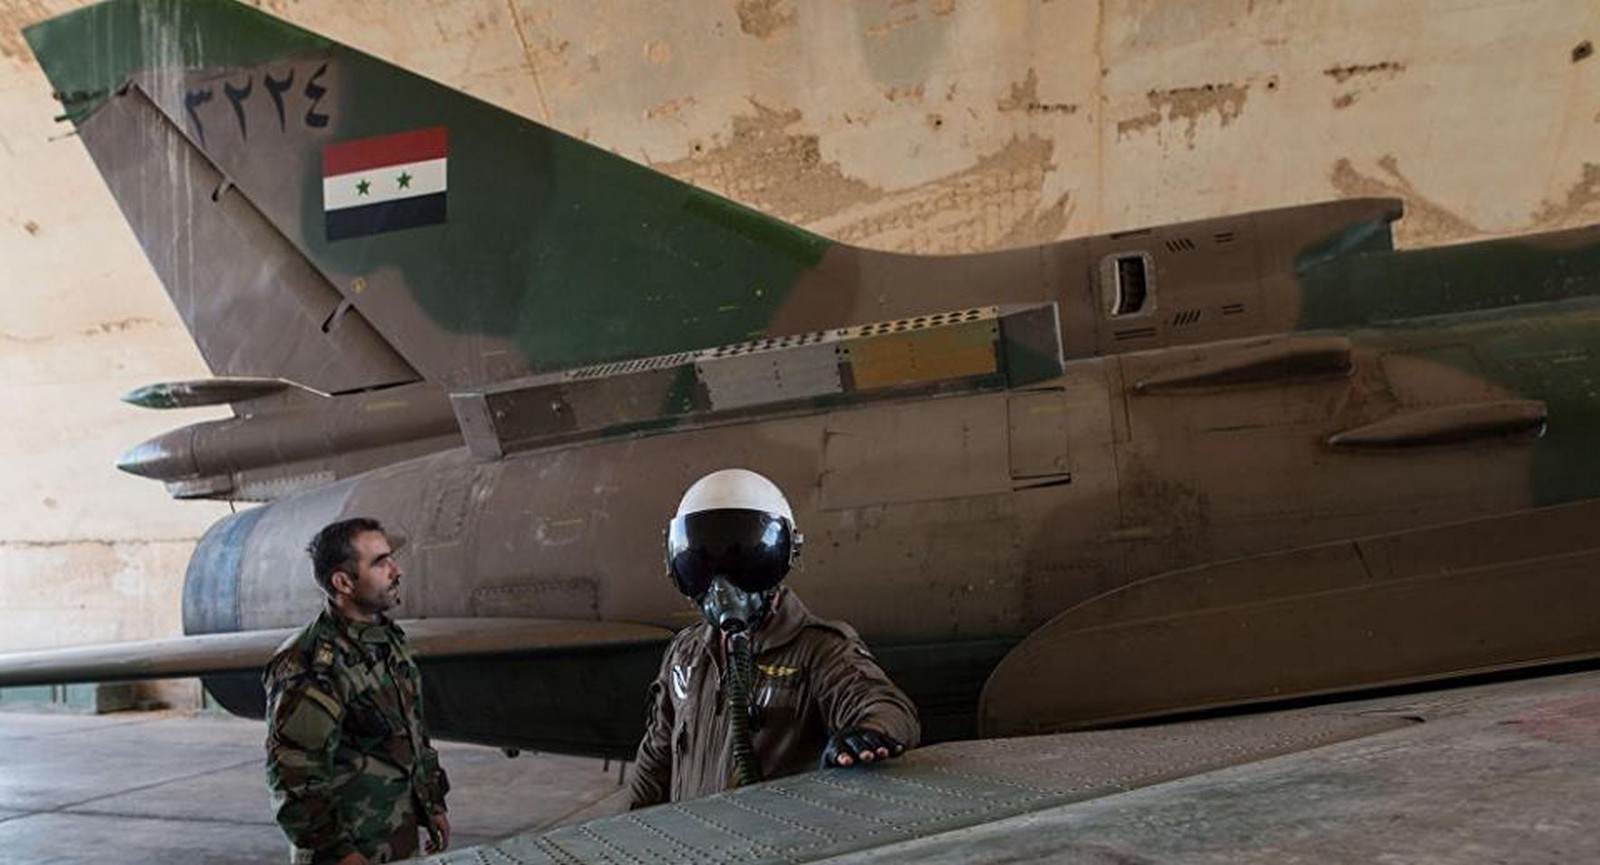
{"type": "Point", "coordinates": [175, 789]}
{"type": "Point", "coordinates": [1500, 772]}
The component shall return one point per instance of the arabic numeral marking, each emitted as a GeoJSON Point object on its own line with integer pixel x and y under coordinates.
{"type": "Point", "coordinates": [191, 101]}
{"type": "Point", "coordinates": [276, 87]}
{"type": "Point", "coordinates": [237, 96]}
{"type": "Point", "coordinates": [315, 92]}
{"type": "Point", "coordinates": [194, 100]}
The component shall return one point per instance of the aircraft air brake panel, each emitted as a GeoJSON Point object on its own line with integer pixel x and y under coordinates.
{"type": "Point", "coordinates": [987, 348]}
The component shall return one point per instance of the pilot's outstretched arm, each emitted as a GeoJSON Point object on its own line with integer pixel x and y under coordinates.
{"type": "Point", "coordinates": [856, 695]}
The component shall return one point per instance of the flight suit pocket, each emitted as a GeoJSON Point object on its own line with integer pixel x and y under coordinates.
{"type": "Point", "coordinates": [778, 695]}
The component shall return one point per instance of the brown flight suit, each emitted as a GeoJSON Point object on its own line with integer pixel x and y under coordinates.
{"type": "Point", "coordinates": [813, 678]}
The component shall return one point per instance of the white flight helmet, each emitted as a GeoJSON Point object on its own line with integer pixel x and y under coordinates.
{"type": "Point", "coordinates": [734, 524]}
{"type": "Point", "coordinates": [735, 488]}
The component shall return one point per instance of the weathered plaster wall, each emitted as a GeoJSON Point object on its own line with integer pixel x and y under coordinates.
{"type": "Point", "coordinates": [928, 125]}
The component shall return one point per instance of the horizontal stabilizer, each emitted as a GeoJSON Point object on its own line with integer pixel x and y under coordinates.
{"type": "Point", "coordinates": [249, 651]}
{"type": "Point", "coordinates": [1504, 592]}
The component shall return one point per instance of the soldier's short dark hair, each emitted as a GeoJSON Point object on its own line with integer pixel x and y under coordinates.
{"type": "Point", "coordinates": [334, 548]}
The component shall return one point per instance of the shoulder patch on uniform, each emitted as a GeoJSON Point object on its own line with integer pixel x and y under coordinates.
{"type": "Point", "coordinates": [322, 655]}
{"type": "Point", "coordinates": [309, 723]}
{"type": "Point", "coordinates": [328, 703]}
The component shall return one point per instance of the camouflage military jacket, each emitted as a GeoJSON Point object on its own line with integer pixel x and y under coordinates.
{"type": "Point", "coordinates": [348, 758]}
{"type": "Point", "coordinates": [812, 678]}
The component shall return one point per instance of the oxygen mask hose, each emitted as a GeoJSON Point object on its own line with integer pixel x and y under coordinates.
{"type": "Point", "coordinates": [740, 677]}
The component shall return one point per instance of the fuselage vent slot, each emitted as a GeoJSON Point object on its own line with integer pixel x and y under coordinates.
{"type": "Point", "coordinates": [1223, 237]}
{"type": "Point", "coordinates": [1180, 244]}
{"type": "Point", "coordinates": [1134, 333]}
{"type": "Point", "coordinates": [1232, 308]}
{"type": "Point", "coordinates": [1186, 318]}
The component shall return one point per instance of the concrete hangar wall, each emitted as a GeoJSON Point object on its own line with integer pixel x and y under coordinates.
{"type": "Point", "coordinates": [917, 125]}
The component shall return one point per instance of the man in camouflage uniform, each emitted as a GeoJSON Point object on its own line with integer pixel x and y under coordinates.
{"type": "Point", "coordinates": [352, 773]}
{"type": "Point", "coordinates": [815, 698]}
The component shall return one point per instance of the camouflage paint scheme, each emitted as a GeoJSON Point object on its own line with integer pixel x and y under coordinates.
{"type": "Point", "coordinates": [1227, 431]}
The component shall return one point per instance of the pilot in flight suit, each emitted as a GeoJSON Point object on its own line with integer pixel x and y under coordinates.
{"type": "Point", "coordinates": [763, 688]}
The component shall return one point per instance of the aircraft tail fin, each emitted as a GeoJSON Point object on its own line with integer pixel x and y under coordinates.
{"type": "Point", "coordinates": [322, 216]}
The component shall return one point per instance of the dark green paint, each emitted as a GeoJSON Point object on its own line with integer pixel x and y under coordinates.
{"type": "Point", "coordinates": [1529, 310]}
{"type": "Point", "coordinates": [1367, 288]}
{"type": "Point", "coordinates": [1547, 352]}
{"type": "Point", "coordinates": [90, 52]}
{"type": "Point", "coordinates": [685, 394]}
{"type": "Point", "coordinates": [577, 255]}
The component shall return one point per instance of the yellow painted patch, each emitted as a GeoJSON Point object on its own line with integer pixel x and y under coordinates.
{"type": "Point", "coordinates": [777, 671]}
{"type": "Point", "coordinates": [927, 355]}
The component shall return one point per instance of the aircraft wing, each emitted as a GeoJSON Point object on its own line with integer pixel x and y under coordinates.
{"type": "Point", "coordinates": [249, 651]}
{"type": "Point", "coordinates": [1499, 772]}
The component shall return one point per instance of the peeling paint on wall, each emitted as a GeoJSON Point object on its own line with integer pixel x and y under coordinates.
{"type": "Point", "coordinates": [769, 168]}
{"type": "Point", "coordinates": [15, 15]}
{"type": "Point", "coordinates": [1024, 96]}
{"type": "Point", "coordinates": [1580, 206]}
{"type": "Point", "coordinates": [994, 203]}
{"type": "Point", "coordinates": [104, 328]}
{"type": "Point", "coordinates": [1425, 222]}
{"type": "Point", "coordinates": [670, 109]}
{"type": "Point", "coordinates": [764, 19]}
{"type": "Point", "coordinates": [1341, 74]}
{"type": "Point", "coordinates": [1383, 71]}
{"type": "Point", "coordinates": [1189, 104]}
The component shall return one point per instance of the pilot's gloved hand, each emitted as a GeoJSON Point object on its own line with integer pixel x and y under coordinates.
{"type": "Point", "coordinates": [859, 745]}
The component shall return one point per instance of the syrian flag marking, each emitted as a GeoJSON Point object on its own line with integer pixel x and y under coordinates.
{"type": "Point", "coordinates": [374, 185]}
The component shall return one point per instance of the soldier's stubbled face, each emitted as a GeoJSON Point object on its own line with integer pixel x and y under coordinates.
{"type": "Point", "coordinates": [375, 586]}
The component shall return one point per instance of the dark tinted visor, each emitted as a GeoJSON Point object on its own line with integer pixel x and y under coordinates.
{"type": "Point", "coordinates": [749, 548]}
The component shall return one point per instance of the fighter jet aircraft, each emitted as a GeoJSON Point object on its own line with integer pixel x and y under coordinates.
{"type": "Point", "coordinates": [1209, 464]}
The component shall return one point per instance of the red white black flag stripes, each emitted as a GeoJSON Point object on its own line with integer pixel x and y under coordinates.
{"type": "Point", "coordinates": [373, 185]}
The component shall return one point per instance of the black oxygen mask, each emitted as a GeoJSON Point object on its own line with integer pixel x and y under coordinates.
{"type": "Point", "coordinates": [733, 610]}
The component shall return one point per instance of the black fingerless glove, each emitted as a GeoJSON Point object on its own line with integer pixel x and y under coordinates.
{"type": "Point", "coordinates": [853, 741]}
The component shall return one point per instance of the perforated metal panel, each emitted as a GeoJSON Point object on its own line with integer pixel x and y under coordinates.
{"type": "Point", "coordinates": [822, 814]}
{"type": "Point", "coordinates": [800, 372]}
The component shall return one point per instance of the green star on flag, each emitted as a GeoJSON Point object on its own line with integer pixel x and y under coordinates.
{"type": "Point", "coordinates": [362, 186]}
{"type": "Point", "coordinates": [404, 179]}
